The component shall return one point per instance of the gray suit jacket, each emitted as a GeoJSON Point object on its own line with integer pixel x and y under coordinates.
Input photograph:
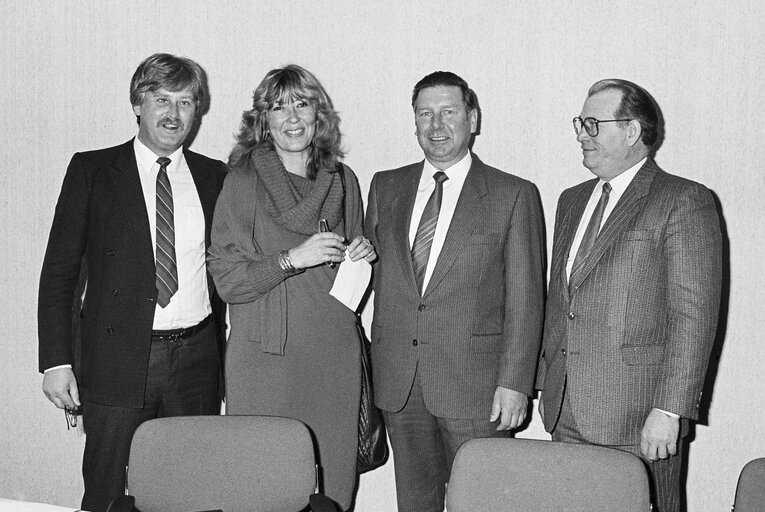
{"type": "Point", "coordinates": [478, 324]}
{"type": "Point", "coordinates": [637, 329]}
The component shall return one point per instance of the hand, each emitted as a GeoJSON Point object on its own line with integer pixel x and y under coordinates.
{"type": "Point", "coordinates": [659, 436]}
{"type": "Point", "coordinates": [362, 248]}
{"type": "Point", "coordinates": [320, 248]}
{"type": "Point", "coordinates": [60, 386]}
{"type": "Point", "coordinates": [509, 407]}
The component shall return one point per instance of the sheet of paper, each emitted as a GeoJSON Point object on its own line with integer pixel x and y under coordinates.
{"type": "Point", "coordinates": [351, 282]}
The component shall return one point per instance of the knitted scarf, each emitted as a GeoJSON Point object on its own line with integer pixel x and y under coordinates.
{"type": "Point", "coordinates": [283, 201]}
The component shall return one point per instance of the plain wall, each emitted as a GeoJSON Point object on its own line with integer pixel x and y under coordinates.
{"type": "Point", "coordinates": [66, 68]}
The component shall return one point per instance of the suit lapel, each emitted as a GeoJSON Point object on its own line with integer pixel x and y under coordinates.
{"type": "Point", "coordinates": [400, 210]}
{"type": "Point", "coordinates": [127, 185]}
{"type": "Point", "coordinates": [626, 209]}
{"type": "Point", "coordinates": [467, 213]}
{"type": "Point", "coordinates": [574, 209]}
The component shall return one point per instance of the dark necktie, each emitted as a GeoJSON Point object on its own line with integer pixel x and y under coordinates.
{"type": "Point", "coordinates": [423, 240]}
{"type": "Point", "coordinates": [167, 270]}
{"type": "Point", "coordinates": [591, 233]}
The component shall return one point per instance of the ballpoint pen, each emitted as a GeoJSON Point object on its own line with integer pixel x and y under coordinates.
{"type": "Point", "coordinates": [324, 228]}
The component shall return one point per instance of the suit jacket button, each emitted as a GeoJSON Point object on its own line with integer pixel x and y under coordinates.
{"type": "Point", "coordinates": [414, 342]}
{"type": "Point", "coordinates": [422, 307]}
{"type": "Point", "coordinates": [563, 351]}
{"type": "Point", "coordinates": [571, 315]}
{"type": "Point", "coordinates": [115, 293]}
{"type": "Point", "coordinates": [110, 330]}
{"type": "Point", "coordinates": [111, 252]}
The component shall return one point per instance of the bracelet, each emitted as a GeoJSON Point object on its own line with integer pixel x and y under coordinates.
{"type": "Point", "coordinates": [286, 264]}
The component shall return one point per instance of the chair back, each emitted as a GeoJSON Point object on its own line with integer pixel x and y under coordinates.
{"type": "Point", "coordinates": [495, 475]}
{"type": "Point", "coordinates": [750, 491]}
{"type": "Point", "coordinates": [231, 463]}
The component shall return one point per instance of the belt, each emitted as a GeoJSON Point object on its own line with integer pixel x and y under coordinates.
{"type": "Point", "coordinates": [172, 335]}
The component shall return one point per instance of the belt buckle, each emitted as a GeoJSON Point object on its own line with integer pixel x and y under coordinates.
{"type": "Point", "coordinates": [172, 338]}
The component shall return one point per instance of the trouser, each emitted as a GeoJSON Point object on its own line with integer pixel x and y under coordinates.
{"type": "Point", "coordinates": [664, 474]}
{"type": "Point", "coordinates": [182, 380]}
{"type": "Point", "coordinates": [424, 447]}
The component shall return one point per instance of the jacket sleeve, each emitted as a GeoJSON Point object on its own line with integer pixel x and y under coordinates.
{"type": "Point", "coordinates": [693, 251]}
{"type": "Point", "coordinates": [524, 292]}
{"type": "Point", "coordinates": [61, 274]}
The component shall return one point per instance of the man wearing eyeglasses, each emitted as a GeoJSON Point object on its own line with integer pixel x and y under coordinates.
{"type": "Point", "coordinates": [634, 294]}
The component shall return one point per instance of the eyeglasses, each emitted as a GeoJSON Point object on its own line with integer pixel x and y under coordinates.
{"type": "Point", "coordinates": [591, 124]}
{"type": "Point", "coordinates": [71, 416]}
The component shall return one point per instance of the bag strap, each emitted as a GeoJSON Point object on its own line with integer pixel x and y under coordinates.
{"type": "Point", "coordinates": [341, 173]}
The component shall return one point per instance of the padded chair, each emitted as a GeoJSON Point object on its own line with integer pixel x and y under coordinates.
{"type": "Point", "coordinates": [227, 463]}
{"type": "Point", "coordinates": [495, 475]}
{"type": "Point", "coordinates": [750, 491]}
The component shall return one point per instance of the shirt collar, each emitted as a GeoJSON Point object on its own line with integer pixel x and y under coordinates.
{"type": "Point", "coordinates": [620, 183]}
{"type": "Point", "coordinates": [457, 172]}
{"type": "Point", "coordinates": [146, 158]}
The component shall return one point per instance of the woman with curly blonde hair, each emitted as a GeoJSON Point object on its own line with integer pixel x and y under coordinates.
{"type": "Point", "coordinates": [293, 349]}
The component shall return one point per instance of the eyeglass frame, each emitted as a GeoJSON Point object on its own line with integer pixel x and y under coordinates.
{"type": "Point", "coordinates": [579, 120]}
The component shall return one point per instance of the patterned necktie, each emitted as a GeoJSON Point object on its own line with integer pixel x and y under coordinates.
{"type": "Point", "coordinates": [167, 270]}
{"type": "Point", "coordinates": [423, 240]}
{"type": "Point", "coordinates": [593, 227]}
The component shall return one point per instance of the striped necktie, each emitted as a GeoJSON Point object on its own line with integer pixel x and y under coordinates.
{"type": "Point", "coordinates": [167, 270]}
{"type": "Point", "coordinates": [423, 240]}
{"type": "Point", "coordinates": [591, 233]}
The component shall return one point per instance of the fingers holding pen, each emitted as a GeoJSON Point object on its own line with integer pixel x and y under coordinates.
{"type": "Point", "coordinates": [319, 249]}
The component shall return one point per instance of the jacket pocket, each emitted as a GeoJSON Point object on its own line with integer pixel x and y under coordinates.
{"type": "Point", "coordinates": [485, 238]}
{"type": "Point", "coordinates": [642, 355]}
{"type": "Point", "coordinates": [638, 234]}
{"type": "Point", "coordinates": [483, 344]}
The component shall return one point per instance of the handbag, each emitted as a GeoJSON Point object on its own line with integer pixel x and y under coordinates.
{"type": "Point", "coordinates": [373, 442]}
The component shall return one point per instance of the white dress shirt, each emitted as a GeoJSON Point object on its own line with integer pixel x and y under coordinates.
{"type": "Point", "coordinates": [191, 303]}
{"type": "Point", "coordinates": [452, 189]}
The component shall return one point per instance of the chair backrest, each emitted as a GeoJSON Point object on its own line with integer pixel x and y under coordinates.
{"type": "Point", "coordinates": [540, 476]}
{"type": "Point", "coordinates": [232, 463]}
{"type": "Point", "coordinates": [750, 491]}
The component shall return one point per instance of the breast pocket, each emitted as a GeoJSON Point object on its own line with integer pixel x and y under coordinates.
{"type": "Point", "coordinates": [484, 238]}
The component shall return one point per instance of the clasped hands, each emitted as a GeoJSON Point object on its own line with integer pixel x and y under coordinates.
{"type": "Point", "coordinates": [330, 248]}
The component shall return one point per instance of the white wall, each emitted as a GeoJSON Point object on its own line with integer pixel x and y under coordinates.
{"type": "Point", "coordinates": [66, 68]}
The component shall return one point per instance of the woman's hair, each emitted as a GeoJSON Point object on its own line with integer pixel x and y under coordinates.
{"type": "Point", "coordinates": [285, 85]}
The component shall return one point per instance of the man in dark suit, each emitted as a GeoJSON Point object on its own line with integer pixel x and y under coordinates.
{"type": "Point", "coordinates": [458, 294]}
{"type": "Point", "coordinates": [135, 220]}
{"type": "Point", "coordinates": [634, 294]}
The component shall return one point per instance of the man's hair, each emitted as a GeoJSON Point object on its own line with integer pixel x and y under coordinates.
{"type": "Point", "coordinates": [636, 104]}
{"type": "Point", "coordinates": [165, 71]}
{"type": "Point", "coordinates": [447, 79]}
{"type": "Point", "coordinates": [284, 85]}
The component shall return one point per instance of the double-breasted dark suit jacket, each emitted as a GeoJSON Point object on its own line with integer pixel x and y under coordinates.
{"type": "Point", "coordinates": [478, 323]}
{"type": "Point", "coordinates": [101, 224]}
{"type": "Point", "coordinates": [637, 328]}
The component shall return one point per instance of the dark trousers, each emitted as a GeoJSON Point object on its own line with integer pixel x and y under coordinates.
{"type": "Point", "coordinates": [664, 474]}
{"type": "Point", "coordinates": [182, 381]}
{"type": "Point", "coordinates": [424, 447]}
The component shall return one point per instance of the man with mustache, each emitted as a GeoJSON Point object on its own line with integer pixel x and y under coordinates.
{"type": "Point", "coordinates": [634, 294]}
{"type": "Point", "coordinates": [458, 294]}
{"type": "Point", "coordinates": [131, 226]}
